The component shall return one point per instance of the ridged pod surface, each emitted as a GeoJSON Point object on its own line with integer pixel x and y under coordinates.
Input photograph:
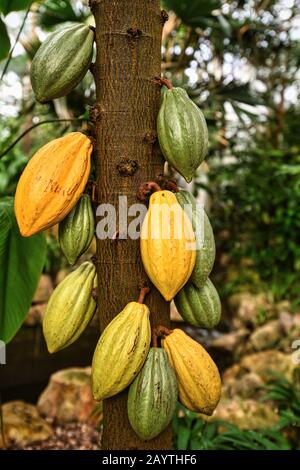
{"type": "Point", "coordinates": [152, 396]}
{"type": "Point", "coordinates": [52, 182]}
{"type": "Point", "coordinates": [61, 62]}
{"type": "Point", "coordinates": [182, 132]}
{"type": "Point", "coordinates": [206, 248]}
{"type": "Point", "coordinates": [199, 307]}
{"type": "Point", "coordinates": [167, 244]}
{"type": "Point", "coordinates": [76, 231]}
{"type": "Point", "coordinates": [121, 351]}
{"type": "Point", "coordinates": [197, 375]}
{"type": "Point", "coordinates": [70, 308]}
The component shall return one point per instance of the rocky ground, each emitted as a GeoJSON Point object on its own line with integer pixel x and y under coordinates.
{"type": "Point", "coordinates": [73, 436]}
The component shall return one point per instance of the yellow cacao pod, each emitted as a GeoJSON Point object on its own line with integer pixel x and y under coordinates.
{"type": "Point", "coordinates": [199, 381]}
{"type": "Point", "coordinates": [121, 351]}
{"type": "Point", "coordinates": [52, 182]}
{"type": "Point", "coordinates": [168, 245]}
{"type": "Point", "coordinates": [70, 308]}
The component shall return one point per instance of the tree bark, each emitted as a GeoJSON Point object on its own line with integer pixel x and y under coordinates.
{"type": "Point", "coordinates": [128, 40]}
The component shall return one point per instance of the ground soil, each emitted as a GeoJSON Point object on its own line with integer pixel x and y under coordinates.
{"type": "Point", "coordinates": [67, 437]}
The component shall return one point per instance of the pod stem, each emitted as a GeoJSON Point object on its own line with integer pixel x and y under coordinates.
{"type": "Point", "coordinates": [95, 294]}
{"type": "Point", "coordinates": [94, 260]}
{"type": "Point", "coordinates": [147, 188]}
{"type": "Point", "coordinates": [94, 192]}
{"type": "Point", "coordinates": [164, 81]}
{"type": "Point", "coordinates": [171, 186]}
{"type": "Point", "coordinates": [154, 338]}
{"type": "Point", "coordinates": [162, 331]}
{"type": "Point", "coordinates": [143, 292]}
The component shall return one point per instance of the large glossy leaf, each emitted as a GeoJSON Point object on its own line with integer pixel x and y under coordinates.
{"type": "Point", "coordinates": [4, 41]}
{"type": "Point", "coordinates": [192, 12]}
{"type": "Point", "coordinates": [241, 93]}
{"type": "Point", "coordinates": [6, 6]}
{"type": "Point", "coordinates": [53, 12]}
{"type": "Point", "coordinates": [21, 263]}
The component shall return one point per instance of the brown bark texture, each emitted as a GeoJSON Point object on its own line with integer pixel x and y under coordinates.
{"type": "Point", "coordinates": [128, 39]}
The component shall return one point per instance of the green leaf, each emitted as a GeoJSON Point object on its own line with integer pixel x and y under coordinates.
{"type": "Point", "coordinates": [192, 12]}
{"type": "Point", "coordinates": [6, 6]}
{"type": "Point", "coordinates": [225, 25]}
{"type": "Point", "coordinates": [4, 41]}
{"type": "Point", "coordinates": [21, 263]}
{"type": "Point", "coordinates": [53, 12]}
{"type": "Point", "coordinates": [183, 438]}
{"type": "Point", "coordinates": [239, 93]}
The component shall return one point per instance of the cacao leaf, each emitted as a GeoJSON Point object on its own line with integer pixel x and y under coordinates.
{"type": "Point", "coordinates": [4, 40]}
{"type": "Point", "coordinates": [54, 12]}
{"type": "Point", "coordinates": [21, 263]}
{"type": "Point", "coordinates": [192, 12]}
{"type": "Point", "coordinates": [6, 6]}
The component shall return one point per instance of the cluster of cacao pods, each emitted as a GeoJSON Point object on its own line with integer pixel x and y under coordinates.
{"type": "Point", "coordinates": [180, 369]}
{"type": "Point", "coordinates": [51, 190]}
{"type": "Point", "coordinates": [177, 241]}
{"type": "Point", "coordinates": [51, 187]}
{"type": "Point", "coordinates": [178, 252]}
{"type": "Point", "coordinates": [157, 376]}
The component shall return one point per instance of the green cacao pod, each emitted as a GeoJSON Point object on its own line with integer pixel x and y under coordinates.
{"type": "Point", "coordinates": [206, 248]}
{"type": "Point", "coordinates": [61, 62]}
{"type": "Point", "coordinates": [76, 231]}
{"type": "Point", "coordinates": [152, 396]}
{"type": "Point", "coordinates": [121, 351]}
{"type": "Point", "coordinates": [182, 132]}
{"type": "Point", "coordinates": [199, 307]}
{"type": "Point", "coordinates": [70, 308]}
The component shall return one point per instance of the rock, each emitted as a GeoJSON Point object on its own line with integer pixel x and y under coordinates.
{"type": "Point", "coordinates": [266, 336]}
{"type": "Point", "coordinates": [247, 379]}
{"type": "Point", "coordinates": [44, 289]}
{"type": "Point", "coordinates": [291, 326]}
{"type": "Point", "coordinates": [286, 321]}
{"type": "Point", "coordinates": [22, 424]}
{"type": "Point", "coordinates": [231, 373]}
{"type": "Point", "coordinates": [68, 397]}
{"type": "Point", "coordinates": [35, 315]}
{"type": "Point", "coordinates": [230, 341]}
{"type": "Point", "coordinates": [246, 414]}
{"type": "Point", "coordinates": [284, 306]}
{"type": "Point", "coordinates": [296, 320]}
{"type": "Point", "coordinates": [248, 386]}
{"type": "Point", "coordinates": [249, 308]}
{"type": "Point", "coordinates": [263, 362]}
{"type": "Point", "coordinates": [174, 314]}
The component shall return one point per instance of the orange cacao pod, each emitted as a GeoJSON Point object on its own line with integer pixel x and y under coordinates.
{"type": "Point", "coordinates": [52, 182]}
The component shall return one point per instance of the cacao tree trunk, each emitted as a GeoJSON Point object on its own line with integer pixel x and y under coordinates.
{"type": "Point", "coordinates": [128, 39]}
